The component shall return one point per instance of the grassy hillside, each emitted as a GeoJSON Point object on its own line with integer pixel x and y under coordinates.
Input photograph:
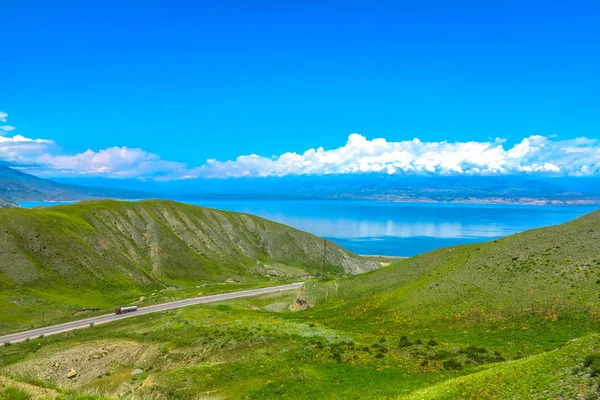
{"type": "Point", "coordinates": [544, 272]}
{"type": "Point", "coordinates": [96, 253]}
{"type": "Point", "coordinates": [509, 319]}
{"type": "Point", "coordinates": [569, 372]}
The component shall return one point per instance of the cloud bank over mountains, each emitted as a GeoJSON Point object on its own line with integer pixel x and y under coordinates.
{"type": "Point", "coordinates": [533, 155]}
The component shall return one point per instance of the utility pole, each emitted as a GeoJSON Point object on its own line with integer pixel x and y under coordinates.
{"type": "Point", "coordinates": [324, 255]}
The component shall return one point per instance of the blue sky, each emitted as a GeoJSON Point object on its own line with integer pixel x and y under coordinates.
{"type": "Point", "coordinates": [178, 83]}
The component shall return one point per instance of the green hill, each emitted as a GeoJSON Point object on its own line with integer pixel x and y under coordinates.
{"type": "Point", "coordinates": [530, 268]}
{"type": "Point", "coordinates": [513, 318]}
{"type": "Point", "coordinates": [95, 253]}
{"type": "Point", "coordinates": [528, 282]}
{"type": "Point", "coordinates": [563, 373]}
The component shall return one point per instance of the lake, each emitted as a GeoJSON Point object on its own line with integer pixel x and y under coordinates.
{"type": "Point", "coordinates": [398, 229]}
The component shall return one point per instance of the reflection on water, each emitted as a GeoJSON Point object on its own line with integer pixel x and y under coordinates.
{"type": "Point", "coordinates": [400, 229]}
{"type": "Point", "coordinates": [361, 227]}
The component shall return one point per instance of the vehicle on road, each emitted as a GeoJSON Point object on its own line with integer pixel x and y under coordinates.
{"type": "Point", "coordinates": [122, 310]}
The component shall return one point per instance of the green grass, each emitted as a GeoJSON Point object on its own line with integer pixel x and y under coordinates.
{"type": "Point", "coordinates": [542, 280]}
{"type": "Point", "coordinates": [509, 319]}
{"type": "Point", "coordinates": [46, 314]}
{"type": "Point", "coordinates": [237, 351]}
{"type": "Point", "coordinates": [13, 393]}
{"type": "Point", "coordinates": [559, 374]}
{"type": "Point", "coordinates": [99, 254]}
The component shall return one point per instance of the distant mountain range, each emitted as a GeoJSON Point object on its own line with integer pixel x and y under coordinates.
{"type": "Point", "coordinates": [511, 189]}
{"type": "Point", "coordinates": [16, 186]}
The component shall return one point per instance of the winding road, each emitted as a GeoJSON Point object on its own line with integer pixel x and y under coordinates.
{"type": "Point", "coordinates": [102, 319]}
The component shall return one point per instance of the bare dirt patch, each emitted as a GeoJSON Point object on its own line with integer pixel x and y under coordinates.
{"type": "Point", "coordinates": [91, 361]}
{"type": "Point", "coordinates": [302, 302]}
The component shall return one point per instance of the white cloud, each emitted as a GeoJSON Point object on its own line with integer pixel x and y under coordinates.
{"type": "Point", "coordinates": [6, 128]}
{"type": "Point", "coordinates": [535, 154]}
{"type": "Point", "coordinates": [18, 149]}
{"type": "Point", "coordinates": [120, 162]}
{"type": "Point", "coordinates": [43, 157]}
{"type": "Point", "coordinates": [22, 150]}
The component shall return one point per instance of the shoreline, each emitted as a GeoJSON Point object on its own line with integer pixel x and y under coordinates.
{"type": "Point", "coordinates": [378, 256]}
{"type": "Point", "coordinates": [529, 202]}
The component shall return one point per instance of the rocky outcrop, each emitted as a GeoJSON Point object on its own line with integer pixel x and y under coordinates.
{"type": "Point", "coordinates": [7, 204]}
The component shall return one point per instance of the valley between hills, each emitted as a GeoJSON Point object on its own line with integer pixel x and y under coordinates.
{"type": "Point", "coordinates": [512, 318]}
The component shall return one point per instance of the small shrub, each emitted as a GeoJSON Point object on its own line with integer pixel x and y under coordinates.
{"type": "Point", "coordinates": [477, 354]}
{"type": "Point", "coordinates": [337, 357]}
{"type": "Point", "coordinates": [6, 344]}
{"type": "Point", "coordinates": [453, 364]}
{"type": "Point", "coordinates": [470, 350]}
{"type": "Point", "coordinates": [432, 343]}
{"type": "Point", "coordinates": [592, 362]}
{"type": "Point", "coordinates": [418, 341]}
{"type": "Point", "coordinates": [497, 357]}
{"type": "Point", "coordinates": [404, 342]}
{"type": "Point", "coordinates": [442, 355]}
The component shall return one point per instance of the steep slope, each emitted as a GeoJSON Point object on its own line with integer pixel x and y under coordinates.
{"type": "Point", "coordinates": [113, 248]}
{"type": "Point", "coordinates": [7, 204]}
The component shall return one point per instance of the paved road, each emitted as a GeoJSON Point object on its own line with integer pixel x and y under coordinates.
{"type": "Point", "coordinates": [84, 323]}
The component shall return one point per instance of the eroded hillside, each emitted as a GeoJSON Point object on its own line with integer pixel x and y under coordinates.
{"type": "Point", "coordinates": [113, 249]}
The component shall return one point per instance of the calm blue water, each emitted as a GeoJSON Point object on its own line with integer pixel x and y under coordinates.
{"type": "Point", "coordinates": [398, 229]}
